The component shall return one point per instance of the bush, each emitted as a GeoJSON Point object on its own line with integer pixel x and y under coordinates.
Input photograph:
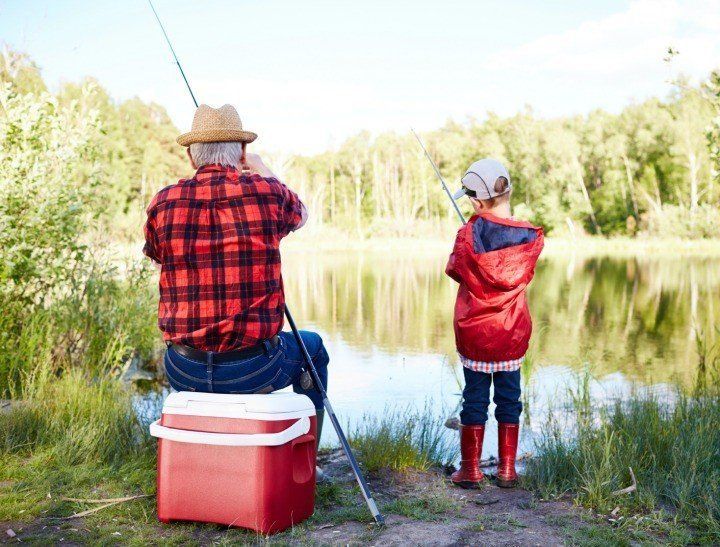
{"type": "Point", "coordinates": [677, 221]}
{"type": "Point", "coordinates": [47, 174]}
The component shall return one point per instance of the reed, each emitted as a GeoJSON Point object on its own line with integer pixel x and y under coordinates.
{"type": "Point", "coordinates": [81, 418]}
{"type": "Point", "coordinates": [403, 439]}
{"type": "Point", "coordinates": [672, 444]}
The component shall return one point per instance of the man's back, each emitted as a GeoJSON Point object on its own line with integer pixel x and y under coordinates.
{"type": "Point", "coordinates": [217, 237]}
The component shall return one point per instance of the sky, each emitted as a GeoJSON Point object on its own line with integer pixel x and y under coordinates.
{"type": "Point", "coordinates": [306, 75]}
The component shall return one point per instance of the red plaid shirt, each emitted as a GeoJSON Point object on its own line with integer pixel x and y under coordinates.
{"type": "Point", "coordinates": [217, 238]}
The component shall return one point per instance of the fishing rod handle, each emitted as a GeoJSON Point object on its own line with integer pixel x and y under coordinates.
{"type": "Point", "coordinates": [364, 489]}
{"type": "Point", "coordinates": [379, 519]}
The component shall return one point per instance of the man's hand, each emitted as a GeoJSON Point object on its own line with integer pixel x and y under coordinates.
{"type": "Point", "coordinates": [255, 164]}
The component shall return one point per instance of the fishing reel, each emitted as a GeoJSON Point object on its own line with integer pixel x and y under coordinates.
{"type": "Point", "coordinates": [306, 381]}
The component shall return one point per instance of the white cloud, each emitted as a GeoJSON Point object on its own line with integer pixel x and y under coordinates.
{"type": "Point", "coordinates": [604, 63]}
{"type": "Point", "coordinates": [630, 42]}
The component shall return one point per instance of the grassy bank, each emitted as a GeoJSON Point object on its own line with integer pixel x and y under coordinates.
{"type": "Point", "coordinates": [68, 427]}
{"type": "Point", "coordinates": [668, 448]}
{"type": "Point", "coordinates": [71, 433]}
{"type": "Point", "coordinates": [402, 439]}
{"type": "Point", "coordinates": [77, 436]}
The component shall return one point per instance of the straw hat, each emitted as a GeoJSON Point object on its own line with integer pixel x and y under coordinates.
{"type": "Point", "coordinates": [216, 125]}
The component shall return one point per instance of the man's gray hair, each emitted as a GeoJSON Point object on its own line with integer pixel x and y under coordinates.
{"type": "Point", "coordinates": [224, 153]}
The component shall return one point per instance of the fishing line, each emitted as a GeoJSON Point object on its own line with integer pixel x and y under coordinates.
{"type": "Point", "coordinates": [439, 175]}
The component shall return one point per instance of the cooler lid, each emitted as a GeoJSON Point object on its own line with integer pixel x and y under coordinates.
{"type": "Point", "coordinates": [271, 406]}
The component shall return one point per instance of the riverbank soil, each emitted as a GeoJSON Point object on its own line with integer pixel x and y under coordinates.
{"type": "Point", "coordinates": [421, 508]}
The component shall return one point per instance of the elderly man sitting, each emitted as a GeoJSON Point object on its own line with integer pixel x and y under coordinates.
{"type": "Point", "coordinates": [216, 239]}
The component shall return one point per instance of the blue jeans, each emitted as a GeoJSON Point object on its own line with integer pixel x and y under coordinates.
{"type": "Point", "coordinates": [476, 397]}
{"type": "Point", "coordinates": [274, 369]}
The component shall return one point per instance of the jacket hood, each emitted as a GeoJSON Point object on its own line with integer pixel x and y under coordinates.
{"type": "Point", "coordinates": [506, 268]}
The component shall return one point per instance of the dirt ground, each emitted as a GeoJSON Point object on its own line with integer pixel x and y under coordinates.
{"type": "Point", "coordinates": [421, 508]}
{"type": "Point", "coordinates": [512, 518]}
{"type": "Point", "coordinates": [437, 513]}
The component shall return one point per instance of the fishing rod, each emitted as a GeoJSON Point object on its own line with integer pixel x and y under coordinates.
{"type": "Point", "coordinates": [172, 50]}
{"type": "Point", "coordinates": [442, 180]}
{"type": "Point", "coordinates": [462, 219]}
{"type": "Point", "coordinates": [379, 519]}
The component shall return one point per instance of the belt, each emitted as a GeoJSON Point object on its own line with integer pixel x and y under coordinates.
{"type": "Point", "coordinates": [226, 356]}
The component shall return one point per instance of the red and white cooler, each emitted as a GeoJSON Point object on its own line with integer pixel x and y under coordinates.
{"type": "Point", "coordinates": [238, 460]}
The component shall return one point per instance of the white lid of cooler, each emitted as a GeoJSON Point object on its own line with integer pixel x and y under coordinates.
{"type": "Point", "coordinates": [270, 406]}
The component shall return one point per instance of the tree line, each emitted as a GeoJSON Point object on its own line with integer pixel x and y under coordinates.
{"type": "Point", "coordinates": [650, 170]}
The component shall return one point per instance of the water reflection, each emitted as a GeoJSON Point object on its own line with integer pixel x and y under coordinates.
{"type": "Point", "coordinates": [635, 316]}
{"type": "Point", "coordinates": [387, 321]}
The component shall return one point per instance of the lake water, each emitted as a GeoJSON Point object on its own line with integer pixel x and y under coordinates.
{"type": "Point", "coordinates": [387, 323]}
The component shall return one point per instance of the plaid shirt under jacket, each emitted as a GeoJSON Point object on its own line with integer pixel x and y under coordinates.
{"type": "Point", "coordinates": [217, 237]}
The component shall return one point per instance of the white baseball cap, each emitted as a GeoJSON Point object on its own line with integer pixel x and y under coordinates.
{"type": "Point", "coordinates": [481, 180]}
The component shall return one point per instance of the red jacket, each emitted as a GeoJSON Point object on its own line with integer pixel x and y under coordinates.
{"type": "Point", "coordinates": [492, 320]}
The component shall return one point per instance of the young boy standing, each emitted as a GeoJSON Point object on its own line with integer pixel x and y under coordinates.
{"type": "Point", "coordinates": [493, 260]}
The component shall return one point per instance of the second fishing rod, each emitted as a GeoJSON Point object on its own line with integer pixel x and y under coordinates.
{"type": "Point", "coordinates": [379, 519]}
{"type": "Point", "coordinates": [439, 175]}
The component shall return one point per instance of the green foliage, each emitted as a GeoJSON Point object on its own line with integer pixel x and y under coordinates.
{"type": "Point", "coordinates": [403, 439]}
{"type": "Point", "coordinates": [652, 169]}
{"type": "Point", "coordinates": [644, 170]}
{"type": "Point", "coordinates": [47, 176]}
{"type": "Point", "coordinates": [110, 320]}
{"type": "Point", "coordinates": [81, 419]}
{"type": "Point", "coordinates": [712, 91]}
{"type": "Point", "coordinates": [69, 164]}
{"type": "Point", "coordinates": [97, 331]}
{"type": "Point", "coordinates": [676, 221]}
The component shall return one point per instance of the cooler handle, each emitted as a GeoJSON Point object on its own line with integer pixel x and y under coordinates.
{"type": "Point", "coordinates": [299, 428]}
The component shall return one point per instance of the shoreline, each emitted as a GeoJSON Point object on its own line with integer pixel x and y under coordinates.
{"type": "Point", "coordinates": [335, 243]}
{"type": "Point", "coordinates": [622, 247]}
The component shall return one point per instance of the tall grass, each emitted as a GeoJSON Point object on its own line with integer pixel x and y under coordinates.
{"type": "Point", "coordinates": [60, 367]}
{"type": "Point", "coordinates": [72, 428]}
{"type": "Point", "coordinates": [79, 418]}
{"type": "Point", "coordinates": [672, 444]}
{"type": "Point", "coordinates": [96, 330]}
{"type": "Point", "coordinates": [403, 439]}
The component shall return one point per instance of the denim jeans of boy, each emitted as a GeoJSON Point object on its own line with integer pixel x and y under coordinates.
{"type": "Point", "coordinates": [275, 369]}
{"type": "Point", "coordinates": [476, 397]}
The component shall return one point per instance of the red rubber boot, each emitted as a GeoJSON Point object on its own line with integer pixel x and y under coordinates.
{"type": "Point", "coordinates": [471, 441]}
{"type": "Point", "coordinates": [507, 447]}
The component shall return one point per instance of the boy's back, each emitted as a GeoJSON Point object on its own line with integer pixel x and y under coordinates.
{"type": "Point", "coordinates": [493, 260]}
